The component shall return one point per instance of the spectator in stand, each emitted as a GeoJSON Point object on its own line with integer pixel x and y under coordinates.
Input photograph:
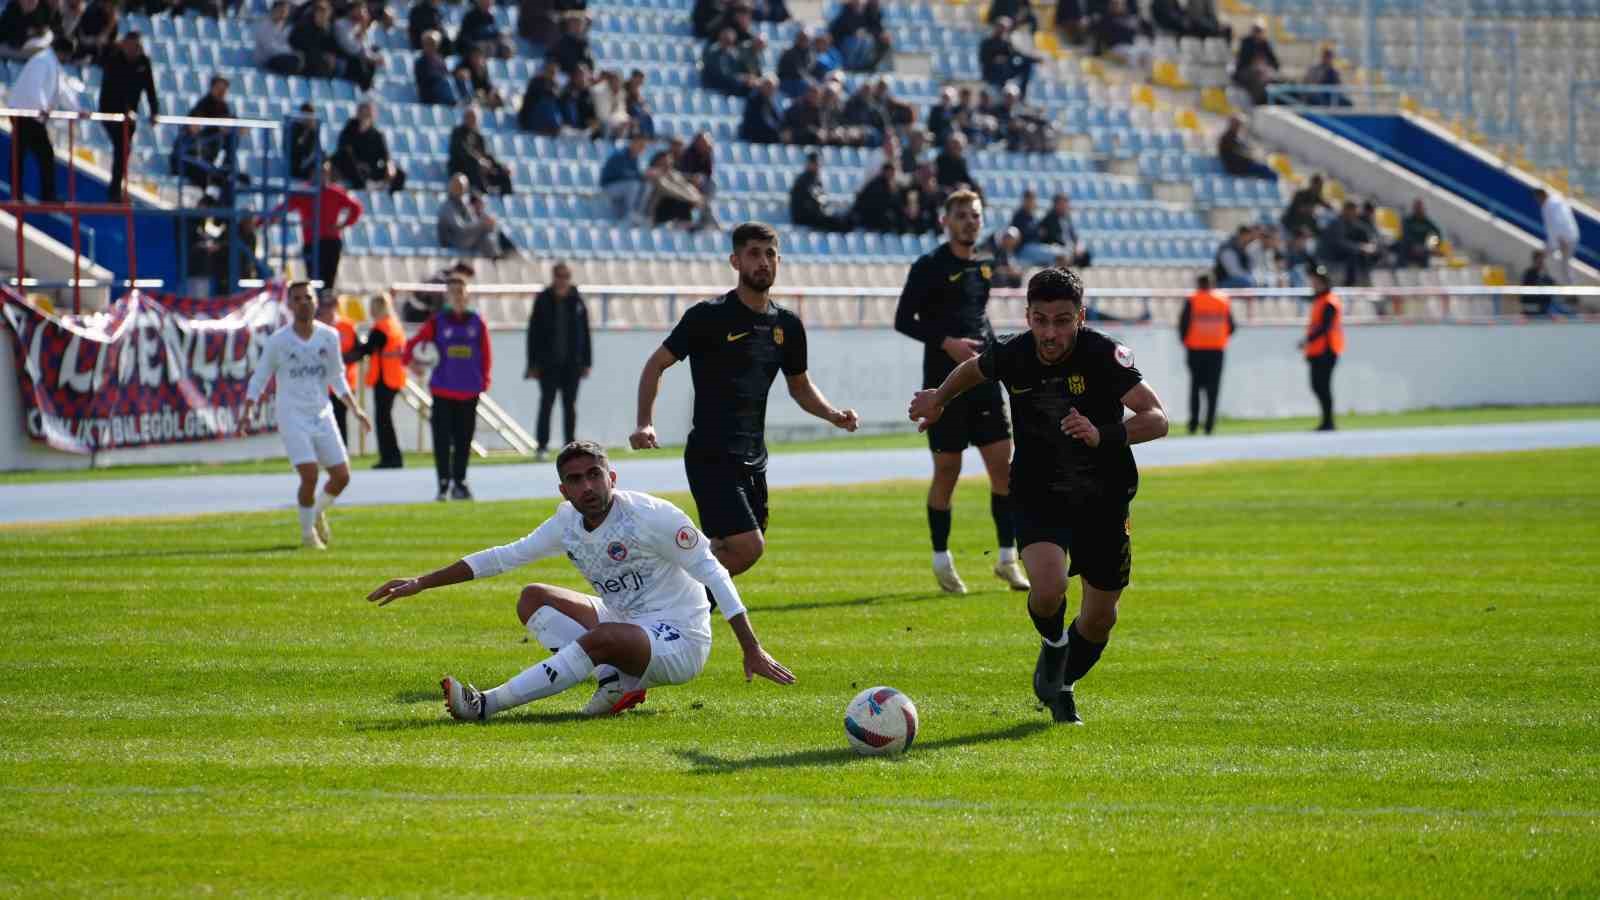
{"type": "Point", "coordinates": [644, 121]}
{"type": "Point", "coordinates": [578, 114]}
{"type": "Point", "coordinates": [864, 111]}
{"type": "Point", "coordinates": [572, 50]}
{"type": "Point", "coordinates": [857, 30]}
{"type": "Point", "coordinates": [425, 17]}
{"type": "Point", "coordinates": [696, 164]}
{"type": "Point", "coordinates": [462, 374]}
{"type": "Point", "coordinates": [325, 211]}
{"type": "Point", "coordinates": [541, 102]}
{"type": "Point", "coordinates": [1300, 257]}
{"type": "Point", "coordinates": [469, 155]}
{"type": "Point", "coordinates": [1171, 17]}
{"type": "Point", "coordinates": [751, 57]}
{"type": "Point", "coordinates": [483, 91]}
{"type": "Point", "coordinates": [1057, 230]}
{"type": "Point", "coordinates": [1304, 207]}
{"type": "Point", "coordinates": [204, 155]}
{"type": "Point", "coordinates": [362, 157]}
{"type": "Point", "coordinates": [126, 79]}
{"type": "Point", "coordinates": [769, 10]}
{"type": "Point", "coordinates": [96, 33]}
{"type": "Point", "coordinates": [273, 51]}
{"type": "Point", "coordinates": [386, 374]}
{"type": "Point", "coordinates": [1121, 34]}
{"type": "Point", "coordinates": [1324, 73]}
{"type": "Point", "coordinates": [722, 70]}
{"type": "Point", "coordinates": [930, 200]}
{"type": "Point", "coordinates": [351, 32]}
{"type": "Point", "coordinates": [1072, 23]}
{"type": "Point", "coordinates": [434, 84]}
{"type": "Point", "coordinates": [951, 166]}
{"type": "Point", "coordinates": [304, 142]}
{"type": "Point", "coordinates": [1026, 130]}
{"type": "Point", "coordinates": [877, 205]}
{"type": "Point", "coordinates": [742, 20]}
{"type": "Point", "coordinates": [461, 84]}
{"type": "Point", "coordinates": [622, 182]}
{"type": "Point", "coordinates": [942, 115]}
{"type": "Point", "coordinates": [314, 40]}
{"type": "Point", "coordinates": [610, 106]}
{"type": "Point", "coordinates": [1238, 157]}
{"type": "Point", "coordinates": [1007, 270]}
{"type": "Point", "coordinates": [707, 18]}
{"type": "Point", "coordinates": [762, 123]}
{"type": "Point", "coordinates": [1540, 305]}
{"type": "Point", "coordinates": [465, 226]}
{"type": "Point", "coordinates": [1560, 234]}
{"type": "Point", "coordinates": [538, 22]}
{"type": "Point", "coordinates": [828, 58]}
{"type": "Point", "coordinates": [1232, 264]}
{"type": "Point", "coordinates": [479, 29]}
{"type": "Point", "coordinates": [802, 121]}
{"type": "Point", "coordinates": [1001, 62]}
{"type": "Point", "coordinates": [673, 199]}
{"type": "Point", "coordinates": [26, 27]}
{"type": "Point", "coordinates": [834, 130]}
{"type": "Point", "coordinates": [915, 150]}
{"type": "Point", "coordinates": [560, 352]}
{"type": "Point", "coordinates": [808, 203]}
{"type": "Point", "coordinates": [1419, 238]}
{"type": "Point", "coordinates": [1030, 248]}
{"type": "Point", "coordinates": [39, 86]}
{"type": "Point", "coordinates": [795, 65]}
{"type": "Point", "coordinates": [1255, 66]}
{"type": "Point", "coordinates": [1349, 247]}
{"type": "Point", "coordinates": [1018, 12]}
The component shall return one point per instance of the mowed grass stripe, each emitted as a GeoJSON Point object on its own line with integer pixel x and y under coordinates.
{"type": "Point", "coordinates": [1360, 677]}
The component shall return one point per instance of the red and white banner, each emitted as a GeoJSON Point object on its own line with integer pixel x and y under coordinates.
{"type": "Point", "coordinates": [152, 369]}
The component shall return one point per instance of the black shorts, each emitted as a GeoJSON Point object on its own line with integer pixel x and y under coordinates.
{"type": "Point", "coordinates": [974, 419]}
{"type": "Point", "coordinates": [731, 495]}
{"type": "Point", "coordinates": [1097, 539]}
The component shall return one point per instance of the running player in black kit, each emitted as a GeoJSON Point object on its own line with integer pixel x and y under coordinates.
{"type": "Point", "coordinates": [944, 306]}
{"type": "Point", "coordinates": [1073, 475]}
{"type": "Point", "coordinates": [735, 344]}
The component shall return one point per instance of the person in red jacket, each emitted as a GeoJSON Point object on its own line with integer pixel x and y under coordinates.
{"type": "Point", "coordinates": [324, 215]}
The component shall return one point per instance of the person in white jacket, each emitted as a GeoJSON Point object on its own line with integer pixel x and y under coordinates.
{"type": "Point", "coordinates": [648, 621]}
{"type": "Point", "coordinates": [40, 86]}
{"type": "Point", "coordinates": [1560, 234]}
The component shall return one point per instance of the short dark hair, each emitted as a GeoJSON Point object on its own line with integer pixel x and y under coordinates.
{"type": "Point", "coordinates": [297, 284]}
{"type": "Point", "coordinates": [752, 231]}
{"type": "Point", "coordinates": [455, 279]}
{"type": "Point", "coordinates": [1204, 281]}
{"type": "Point", "coordinates": [1052, 284]}
{"type": "Point", "coordinates": [582, 448]}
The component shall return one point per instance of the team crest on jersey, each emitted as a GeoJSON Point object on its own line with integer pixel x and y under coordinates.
{"type": "Point", "coordinates": [687, 537]}
{"type": "Point", "coordinates": [986, 272]}
{"type": "Point", "coordinates": [617, 550]}
{"type": "Point", "coordinates": [1124, 357]}
{"type": "Point", "coordinates": [777, 336]}
{"type": "Point", "coordinates": [1075, 383]}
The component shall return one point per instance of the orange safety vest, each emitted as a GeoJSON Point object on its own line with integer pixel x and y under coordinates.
{"type": "Point", "coordinates": [1208, 321]}
{"type": "Point", "coordinates": [390, 364]}
{"type": "Point", "coordinates": [1331, 340]}
{"type": "Point", "coordinates": [347, 342]}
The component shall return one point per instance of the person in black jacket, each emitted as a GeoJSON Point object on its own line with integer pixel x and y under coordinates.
{"type": "Point", "coordinates": [314, 40]}
{"type": "Point", "coordinates": [560, 352]}
{"type": "Point", "coordinates": [362, 156]}
{"type": "Point", "coordinates": [469, 155]}
{"type": "Point", "coordinates": [127, 78]}
{"type": "Point", "coordinates": [808, 204]}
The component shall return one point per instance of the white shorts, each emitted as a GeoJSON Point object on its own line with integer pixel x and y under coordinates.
{"type": "Point", "coordinates": [317, 442]}
{"type": "Point", "coordinates": [677, 654]}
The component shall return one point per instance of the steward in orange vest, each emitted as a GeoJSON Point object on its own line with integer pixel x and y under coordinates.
{"type": "Point", "coordinates": [1324, 342]}
{"type": "Point", "coordinates": [1205, 326]}
{"type": "Point", "coordinates": [386, 375]}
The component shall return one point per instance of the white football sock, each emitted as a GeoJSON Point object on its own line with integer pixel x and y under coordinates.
{"type": "Point", "coordinates": [554, 629]}
{"type": "Point", "coordinates": [1008, 554]}
{"type": "Point", "coordinates": [324, 500]}
{"type": "Point", "coordinates": [942, 559]}
{"type": "Point", "coordinates": [567, 668]}
{"type": "Point", "coordinates": [308, 518]}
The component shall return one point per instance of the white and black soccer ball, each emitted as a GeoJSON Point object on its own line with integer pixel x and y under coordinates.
{"type": "Point", "coordinates": [425, 354]}
{"type": "Point", "coordinates": [880, 721]}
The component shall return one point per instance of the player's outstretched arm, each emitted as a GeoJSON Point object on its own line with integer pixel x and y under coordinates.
{"type": "Point", "coordinates": [756, 660]}
{"type": "Point", "coordinates": [395, 588]}
{"type": "Point", "coordinates": [644, 436]}
{"type": "Point", "coordinates": [927, 406]}
{"type": "Point", "coordinates": [809, 397]}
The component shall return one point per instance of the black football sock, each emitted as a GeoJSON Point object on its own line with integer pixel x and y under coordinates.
{"type": "Point", "coordinates": [939, 529]}
{"type": "Point", "coordinates": [1082, 654]}
{"type": "Point", "coordinates": [1049, 627]}
{"type": "Point", "coordinates": [1005, 523]}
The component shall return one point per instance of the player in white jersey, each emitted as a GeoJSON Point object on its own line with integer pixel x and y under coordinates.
{"type": "Point", "coordinates": [305, 359]}
{"type": "Point", "coordinates": [648, 622]}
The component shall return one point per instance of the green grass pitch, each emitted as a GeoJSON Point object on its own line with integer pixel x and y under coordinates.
{"type": "Point", "coordinates": [1371, 678]}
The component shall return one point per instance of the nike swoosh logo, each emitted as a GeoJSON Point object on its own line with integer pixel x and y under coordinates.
{"type": "Point", "coordinates": [1020, 390]}
{"type": "Point", "coordinates": [735, 337]}
{"type": "Point", "coordinates": [957, 276]}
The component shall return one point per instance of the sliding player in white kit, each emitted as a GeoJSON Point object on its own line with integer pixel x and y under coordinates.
{"type": "Point", "coordinates": [305, 358]}
{"type": "Point", "coordinates": [650, 623]}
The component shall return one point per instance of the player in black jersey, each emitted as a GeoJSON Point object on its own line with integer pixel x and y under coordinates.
{"type": "Point", "coordinates": [736, 345]}
{"type": "Point", "coordinates": [1073, 475]}
{"type": "Point", "coordinates": [944, 305]}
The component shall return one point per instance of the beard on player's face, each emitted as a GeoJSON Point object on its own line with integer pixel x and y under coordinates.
{"type": "Point", "coordinates": [757, 279]}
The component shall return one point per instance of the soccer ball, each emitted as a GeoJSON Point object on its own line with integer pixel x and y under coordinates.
{"type": "Point", "coordinates": [425, 355]}
{"type": "Point", "coordinates": [880, 721]}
